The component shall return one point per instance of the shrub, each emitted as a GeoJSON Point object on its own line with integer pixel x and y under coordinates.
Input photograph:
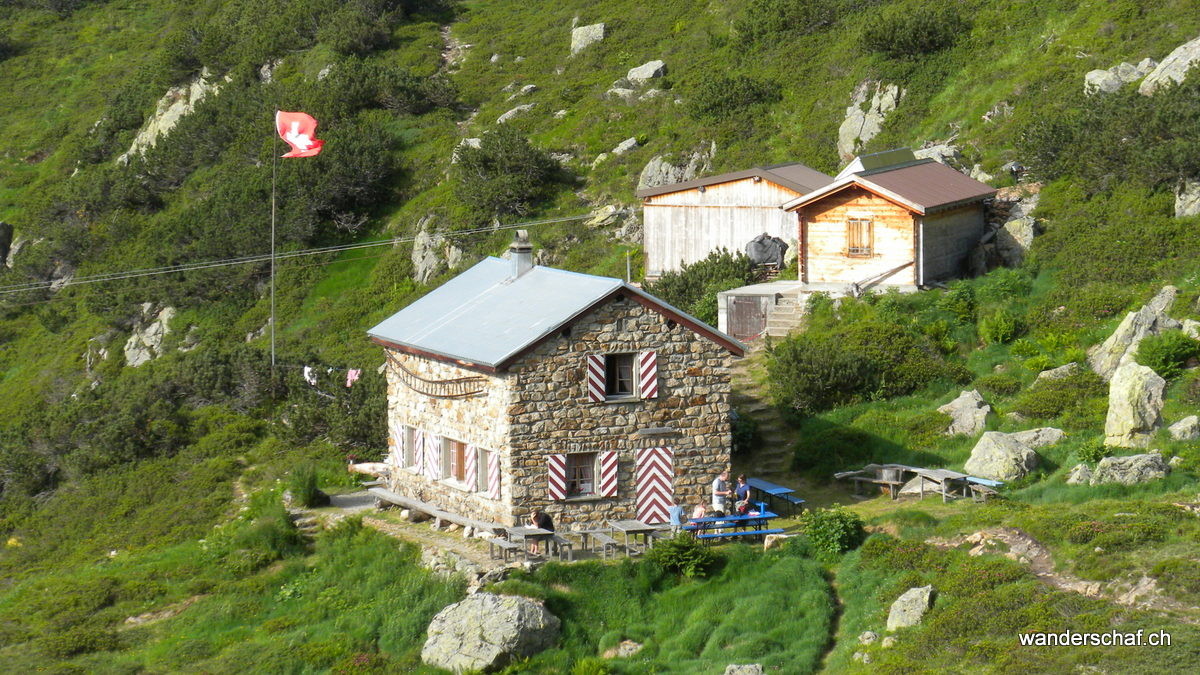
{"type": "Point", "coordinates": [1000, 328]}
{"type": "Point", "coordinates": [1004, 285]}
{"type": "Point", "coordinates": [768, 20]}
{"type": "Point", "coordinates": [1179, 575]}
{"type": "Point", "coordinates": [506, 174]}
{"type": "Point", "coordinates": [960, 302]}
{"type": "Point", "coordinates": [689, 288]}
{"type": "Point", "coordinates": [833, 531]}
{"type": "Point", "coordinates": [1167, 353]}
{"type": "Point", "coordinates": [719, 96]}
{"type": "Point", "coordinates": [905, 31]}
{"type": "Point", "coordinates": [1051, 398]}
{"type": "Point", "coordinates": [302, 483]}
{"type": "Point", "coordinates": [999, 384]}
{"type": "Point", "coordinates": [1092, 451]}
{"type": "Point", "coordinates": [684, 555]}
{"type": "Point", "coordinates": [745, 432]}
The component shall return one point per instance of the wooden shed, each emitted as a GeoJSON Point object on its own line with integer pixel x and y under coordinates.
{"type": "Point", "coordinates": [684, 222]}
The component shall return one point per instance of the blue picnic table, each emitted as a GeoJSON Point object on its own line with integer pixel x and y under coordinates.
{"type": "Point", "coordinates": [773, 492]}
{"type": "Point", "coordinates": [730, 527]}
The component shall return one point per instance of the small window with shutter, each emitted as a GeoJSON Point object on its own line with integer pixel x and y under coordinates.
{"type": "Point", "coordinates": [616, 377]}
{"type": "Point", "coordinates": [859, 242]}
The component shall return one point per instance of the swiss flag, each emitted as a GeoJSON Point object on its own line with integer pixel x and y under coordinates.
{"type": "Point", "coordinates": [299, 130]}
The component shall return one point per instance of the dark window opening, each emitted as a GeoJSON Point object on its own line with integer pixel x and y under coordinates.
{"type": "Point", "coordinates": [618, 375]}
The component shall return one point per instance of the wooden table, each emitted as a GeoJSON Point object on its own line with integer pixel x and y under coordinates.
{"type": "Point", "coordinates": [734, 526]}
{"type": "Point", "coordinates": [536, 534]}
{"type": "Point", "coordinates": [634, 527]}
{"type": "Point", "coordinates": [771, 490]}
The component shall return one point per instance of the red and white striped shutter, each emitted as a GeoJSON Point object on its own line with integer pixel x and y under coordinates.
{"type": "Point", "coordinates": [471, 475]}
{"type": "Point", "coordinates": [608, 474]}
{"type": "Point", "coordinates": [433, 457]}
{"type": "Point", "coordinates": [648, 375]}
{"type": "Point", "coordinates": [419, 451]}
{"type": "Point", "coordinates": [595, 377]}
{"type": "Point", "coordinates": [396, 453]}
{"type": "Point", "coordinates": [556, 474]}
{"type": "Point", "coordinates": [493, 469]}
{"type": "Point", "coordinates": [655, 479]}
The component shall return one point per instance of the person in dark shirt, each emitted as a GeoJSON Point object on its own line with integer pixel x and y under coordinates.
{"type": "Point", "coordinates": [742, 495]}
{"type": "Point", "coordinates": [539, 519]}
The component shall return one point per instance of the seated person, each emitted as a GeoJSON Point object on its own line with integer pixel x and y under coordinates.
{"type": "Point", "coordinates": [742, 491]}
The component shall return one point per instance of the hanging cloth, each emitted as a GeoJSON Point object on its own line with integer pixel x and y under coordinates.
{"type": "Point", "coordinates": [309, 376]}
{"type": "Point", "coordinates": [352, 376]}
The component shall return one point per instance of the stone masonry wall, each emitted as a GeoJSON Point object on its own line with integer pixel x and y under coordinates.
{"type": "Point", "coordinates": [479, 420]}
{"type": "Point", "coordinates": [550, 412]}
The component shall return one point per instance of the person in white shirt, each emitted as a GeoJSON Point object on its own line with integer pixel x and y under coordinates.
{"type": "Point", "coordinates": [721, 492]}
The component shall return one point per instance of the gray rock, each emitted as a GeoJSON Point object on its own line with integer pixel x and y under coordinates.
{"type": "Point", "coordinates": [604, 216]}
{"type": "Point", "coordinates": [600, 159]}
{"type": "Point", "coordinates": [888, 642]}
{"type": "Point", "coordinates": [325, 72]}
{"type": "Point", "coordinates": [524, 91]}
{"type": "Point", "coordinates": [1130, 470]}
{"type": "Point", "coordinates": [1135, 401]}
{"type": "Point", "coordinates": [998, 111]}
{"type": "Point", "coordinates": [659, 171]}
{"type": "Point", "coordinates": [1058, 373]}
{"type": "Point", "coordinates": [1024, 206]}
{"type": "Point", "coordinates": [465, 143]}
{"type": "Point", "coordinates": [1102, 81]}
{"type": "Point", "coordinates": [519, 110]}
{"type": "Point", "coordinates": [1080, 474]}
{"type": "Point", "coordinates": [968, 414]}
{"type": "Point", "coordinates": [1174, 68]}
{"type": "Point", "coordinates": [627, 95]}
{"type": "Point", "coordinates": [943, 153]}
{"type": "Point", "coordinates": [999, 456]}
{"type": "Point", "coordinates": [651, 94]}
{"type": "Point", "coordinates": [623, 650]}
{"type": "Point", "coordinates": [862, 124]}
{"type": "Point", "coordinates": [495, 58]}
{"type": "Point", "coordinates": [1037, 438]}
{"type": "Point", "coordinates": [487, 632]}
{"type": "Point", "coordinates": [266, 74]}
{"type": "Point", "coordinates": [559, 114]}
{"type": "Point", "coordinates": [980, 175]}
{"type": "Point", "coordinates": [177, 103]}
{"type": "Point", "coordinates": [862, 657]}
{"type": "Point", "coordinates": [1014, 239]}
{"type": "Point", "coordinates": [432, 253]}
{"type": "Point", "coordinates": [1120, 347]}
{"type": "Point", "coordinates": [646, 72]}
{"type": "Point", "coordinates": [1191, 328]}
{"type": "Point", "coordinates": [1186, 429]}
{"type": "Point", "coordinates": [910, 608]}
{"type": "Point", "coordinates": [585, 36]}
{"type": "Point", "coordinates": [145, 344]}
{"type": "Point", "coordinates": [749, 669]}
{"type": "Point", "coordinates": [1187, 198]}
{"type": "Point", "coordinates": [868, 637]}
{"type": "Point", "coordinates": [625, 146]}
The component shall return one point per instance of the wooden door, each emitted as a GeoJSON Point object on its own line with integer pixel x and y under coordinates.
{"type": "Point", "coordinates": [747, 318]}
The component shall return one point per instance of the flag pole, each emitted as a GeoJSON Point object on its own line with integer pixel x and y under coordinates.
{"type": "Point", "coordinates": [274, 164]}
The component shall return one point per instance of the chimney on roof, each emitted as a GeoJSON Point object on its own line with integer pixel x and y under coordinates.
{"type": "Point", "coordinates": [521, 252]}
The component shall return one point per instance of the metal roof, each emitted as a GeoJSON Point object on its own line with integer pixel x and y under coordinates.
{"type": "Point", "coordinates": [922, 187]}
{"type": "Point", "coordinates": [793, 176]}
{"type": "Point", "coordinates": [484, 317]}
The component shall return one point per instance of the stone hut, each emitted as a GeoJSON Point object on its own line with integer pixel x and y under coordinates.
{"type": "Point", "coordinates": [513, 387]}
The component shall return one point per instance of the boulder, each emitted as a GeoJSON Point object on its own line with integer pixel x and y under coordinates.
{"type": "Point", "coordinates": [1135, 401]}
{"type": "Point", "coordinates": [604, 216]}
{"type": "Point", "coordinates": [888, 642]}
{"type": "Point", "coordinates": [1112, 79]}
{"type": "Point", "coordinates": [519, 110]}
{"type": "Point", "coordinates": [999, 456]}
{"type": "Point", "coordinates": [1014, 239]}
{"type": "Point", "coordinates": [465, 143]}
{"type": "Point", "coordinates": [1120, 347]}
{"type": "Point", "coordinates": [968, 414]}
{"type": "Point", "coordinates": [432, 254]}
{"type": "Point", "coordinates": [1080, 474]}
{"type": "Point", "coordinates": [864, 123]}
{"type": "Point", "coordinates": [1058, 373]}
{"type": "Point", "coordinates": [145, 344]}
{"type": "Point", "coordinates": [775, 541]}
{"type": "Point", "coordinates": [980, 175]}
{"type": "Point", "coordinates": [910, 608]}
{"type": "Point", "coordinates": [1191, 328]}
{"type": "Point", "coordinates": [1130, 470]}
{"type": "Point", "coordinates": [748, 669]}
{"type": "Point", "coordinates": [867, 637]}
{"type": "Point", "coordinates": [583, 37]}
{"type": "Point", "coordinates": [659, 171]}
{"type": "Point", "coordinates": [1174, 68]}
{"type": "Point", "coordinates": [943, 153]}
{"type": "Point", "coordinates": [1186, 429]}
{"type": "Point", "coordinates": [625, 649]}
{"type": "Point", "coordinates": [646, 72]}
{"type": "Point", "coordinates": [627, 95]}
{"type": "Point", "coordinates": [1187, 198]}
{"type": "Point", "coordinates": [625, 146]}
{"type": "Point", "coordinates": [177, 103]}
{"type": "Point", "coordinates": [1037, 438]}
{"type": "Point", "coordinates": [487, 632]}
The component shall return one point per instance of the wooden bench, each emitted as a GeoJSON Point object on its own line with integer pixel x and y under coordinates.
{"type": "Point", "coordinates": [794, 502]}
{"type": "Point", "coordinates": [506, 548]}
{"type": "Point", "coordinates": [564, 547]}
{"type": "Point", "coordinates": [739, 533]}
{"type": "Point", "coordinates": [981, 493]}
{"type": "Point", "coordinates": [608, 545]}
{"type": "Point", "coordinates": [382, 495]}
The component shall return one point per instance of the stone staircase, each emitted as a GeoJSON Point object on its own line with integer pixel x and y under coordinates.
{"type": "Point", "coordinates": [773, 456]}
{"type": "Point", "coordinates": [785, 316]}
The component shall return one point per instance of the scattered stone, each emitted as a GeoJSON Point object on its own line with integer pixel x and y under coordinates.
{"type": "Point", "coordinates": [255, 334]}
{"type": "Point", "coordinates": [1174, 68]}
{"type": "Point", "coordinates": [626, 649]}
{"type": "Point", "coordinates": [563, 158]}
{"type": "Point", "coordinates": [519, 110]}
{"type": "Point", "coordinates": [585, 36]}
{"type": "Point", "coordinates": [1058, 373]}
{"type": "Point", "coordinates": [1040, 437]}
{"type": "Point", "coordinates": [749, 669]}
{"type": "Point", "coordinates": [861, 125]}
{"type": "Point", "coordinates": [1080, 474]}
{"type": "Point", "coordinates": [1186, 429]}
{"type": "Point", "coordinates": [863, 657]}
{"type": "Point", "coordinates": [980, 175]}
{"type": "Point", "coordinates": [604, 216]}
{"type": "Point", "coordinates": [627, 95]}
{"type": "Point", "coordinates": [1120, 347]}
{"type": "Point", "coordinates": [524, 91]}
{"type": "Point", "coordinates": [519, 59]}
{"type": "Point", "coordinates": [625, 146]}
{"type": "Point", "coordinates": [1187, 198]}
{"type": "Point", "coordinates": [487, 632]}
{"type": "Point", "coordinates": [1191, 328]}
{"type": "Point", "coordinates": [1135, 401]}
{"type": "Point", "coordinates": [1175, 461]}
{"type": "Point", "coordinates": [324, 72]}
{"type": "Point", "coordinates": [145, 344]}
{"type": "Point", "coordinates": [968, 414]}
{"type": "Point", "coordinates": [910, 608]}
{"type": "Point", "coordinates": [651, 94]}
{"type": "Point", "coordinates": [559, 114]}
{"type": "Point", "coordinates": [600, 159]}
{"type": "Point", "coordinates": [888, 642]}
{"type": "Point", "coordinates": [659, 171]}
{"type": "Point", "coordinates": [775, 541]}
{"type": "Point", "coordinates": [867, 637]}
{"type": "Point", "coordinates": [465, 143]}
{"type": "Point", "coordinates": [1112, 79]}
{"type": "Point", "coordinates": [646, 72]}
{"type": "Point", "coordinates": [177, 103]}
{"type": "Point", "coordinates": [1001, 109]}
{"type": "Point", "coordinates": [266, 74]}
{"type": "Point", "coordinates": [999, 456]}
{"type": "Point", "coordinates": [1131, 470]}
{"type": "Point", "coordinates": [943, 153]}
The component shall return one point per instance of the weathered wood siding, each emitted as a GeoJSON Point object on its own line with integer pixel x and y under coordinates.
{"type": "Point", "coordinates": [825, 236]}
{"type": "Point", "coordinates": [683, 227]}
{"type": "Point", "coordinates": [949, 238]}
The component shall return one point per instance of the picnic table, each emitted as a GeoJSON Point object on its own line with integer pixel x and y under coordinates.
{"type": "Point", "coordinates": [534, 534]}
{"type": "Point", "coordinates": [774, 491]}
{"type": "Point", "coordinates": [729, 527]}
{"type": "Point", "coordinates": [634, 527]}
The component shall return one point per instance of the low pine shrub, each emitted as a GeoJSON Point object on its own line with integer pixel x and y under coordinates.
{"type": "Point", "coordinates": [905, 31]}
{"type": "Point", "coordinates": [1052, 398]}
{"type": "Point", "coordinates": [1001, 327]}
{"type": "Point", "coordinates": [1092, 451]}
{"type": "Point", "coordinates": [833, 531]}
{"type": "Point", "coordinates": [1168, 353]}
{"type": "Point", "coordinates": [690, 288]}
{"type": "Point", "coordinates": [684, 555]}
{"type": "Point", "coordinates": [769, 20]}
{"type": "Point", "coordinates": [1180, 576]}
{"type": "Point", "coordinates": [998, 384]}
{"type": "Point", "coordinates": [720, 96]}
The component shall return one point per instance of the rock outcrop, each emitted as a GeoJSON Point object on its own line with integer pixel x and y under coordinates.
{"type": "Point", "coordinates": [432, 254]}
{"type": "Point", "coordinates": [146, 342]}
{"type": "Point", "coordinates": [1036, 438]}
{"type": "Point", "coordinates": [1187, 198]}
{"type": "Point", "coordinates": [625, 146]}
{"type": "Point", "coordinates": [1130, 470]}
{"type": "Point", "coordinates": [1135, 401]}
{"type": "Point", "coordinates": [583, 37]}
{"type": "Point", "coordinates": [1186, 429]}
{"type": "Point", "coordinates": [487, 632]}
{"type": "Point", "coordinates": [519, 110]}
{"type": "Point", "coordinates": [968, 414]}
{"type": "Point", "coordinates": [1058, 373]}
{"type": "Point", "coordinates": [642, 74]}
{"type": "Point", "coordinates": [660, 171]}
{"type": "Point", "coordinates": [1112, 79]}
{"type": "Point", "coordinates": [1014, 239]}
{"type": "Point", "coordinates": [745, 669]}
{"type": "Point", "coordinates": [1080, 474]}
{"type": "Point", "coordinates": [173, 106]}
{"type": "Point", "coordinates": [910, 608]}
{"type": "Point", "coordinates": [1174, 68]}
{"type": "Point", "coordinates": [1006, 457]}
{"type": "Point", "coordinates": [862, 124]}
{"type": "Point", "coordinates": [1120, 347]}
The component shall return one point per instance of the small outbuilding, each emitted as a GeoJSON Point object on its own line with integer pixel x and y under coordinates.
{"type": "Point", "coordinates": [515, 387]}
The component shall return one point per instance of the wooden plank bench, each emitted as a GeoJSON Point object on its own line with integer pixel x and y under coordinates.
{"type": "Point", "coordinates": [740, 533]}
{"type": "Point", "coordinates": [505, 547]}
{"type": "Point", "coordinates": [981, 493]}
{"type": "Point", "coordinates": [565, 548]}
{"type": "Point", "coordinates": [390, 497]}
{"type": "Point", "coordinates": [608, 545]}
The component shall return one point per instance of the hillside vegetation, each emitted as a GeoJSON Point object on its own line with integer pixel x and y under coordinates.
{"type": "Point", "coordinates": [132, 490]}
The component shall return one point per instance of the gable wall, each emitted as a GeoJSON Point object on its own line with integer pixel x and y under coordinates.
{"type": "Point", "coordinates": [826, 241]}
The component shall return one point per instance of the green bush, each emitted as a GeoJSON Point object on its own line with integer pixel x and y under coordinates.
{"type": "Point", "coordinates": [770, 20]}
{"type": "Point", "coordinates": [1167, 353]}
{"type": "Point", "coordinates": [1001, 327]}
{"type": "Point", "coordinates": [1180, 577]}
{"type": "Point", "coordinates": [998, 384]}
{"type": "Point", "coordinates": [1092, 451]}
{"type": "Point", "coordinates": [302, 483]}
{"type": "Point", "coordinates": [506, 174]}
{"type": "Point", "coordinates": [690, 287]}
{"type": "Point", "coordinates": [1004, 285]}
{"type": "Point", "coordinates": [833, 531]}
{"type": "Point", "coordinates": [1051, 398]}
{"type": "Point", "coordinates": [906, 31]}
{"type": "Point", "coordinates": [719, 96]}
{"type": "Point", "coordinates": [684, 555]}
{"type": "Point", "coordinates": [960, 302]}
{"type": "Point", "coordinates": [745, 432]}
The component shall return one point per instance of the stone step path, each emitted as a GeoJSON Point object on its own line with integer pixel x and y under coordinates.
{"type": "Point", "coordinates": [749, 398]}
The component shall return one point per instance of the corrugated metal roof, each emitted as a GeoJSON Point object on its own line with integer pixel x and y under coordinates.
{"type": "Point", "coordinates": [483, 318]}
{"type": "Point", "coordinates": [793, 176]}
{"type": "Point", "coordinates": [924, 186]}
